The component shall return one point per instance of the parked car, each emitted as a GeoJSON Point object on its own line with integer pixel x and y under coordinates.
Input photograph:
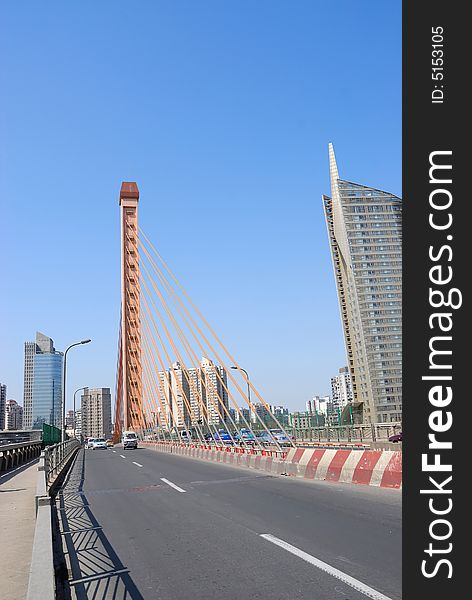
{"type": "Point", "coordinates": [222, 436]}
{"type": "Point", "coordinates": [275, 436]}
{"type": "Point", "coordinates": [129, 439]}
{"type": "Point", "coordinates": [397, 437]}
{"type": "Point", "coordinates": [281, 437]}
{"type": "Point", "coordinates": [186, 436]}
{"type": "Point", "coordinates": [246, 435]}
{"type": "Point", "coordinates": [99, 444]}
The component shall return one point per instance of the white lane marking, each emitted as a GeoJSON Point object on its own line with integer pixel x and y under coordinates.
{"type": "Point", "coordinates": [137, 464]}
{"type": "Point", "coordinates": [354, 583]}
{"type": "Point", "coordinates": [172, 485]}
{"type": "Point", "coordinates": [114, 450]}
{"type": "Point", "coordinates": [122, 456]}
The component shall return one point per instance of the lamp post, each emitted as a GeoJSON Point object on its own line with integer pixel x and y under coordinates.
{"type": "Point", "coordinates": [247, 377]}
{"type": "Point", "coordinates": [248, 388]}
{"type": "Point", "coordinates": [77, 390]}
{"type": "Point", "coordinates": [63, 436]}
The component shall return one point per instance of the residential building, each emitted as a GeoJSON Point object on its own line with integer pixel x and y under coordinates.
{"type": "Point", "coordinates": [341, 394]}
{"type": "Point", "coordinates": [95, 409]}
{"type": "Point", "coordinates": [281, 413]}
{"type": "Point", "coordinates": [13, 416]}
{"type": "Point", "coordinates": [261, 413]}
{"type": "Point", "coordinates": [3, 404]}
{"type": "Point", "coordinates": [193, 396]}
{"type": "Point", "coordinates": [302, 420]}
{"type": "Point", "coordinates": [180, 394]}
{"type": "Point", "coordinates": [365, 233]}
{"type": "Point", "coordinates": [78, 423]}
{"type": "Point", "coordinates": [243, 416]}
{"type": "Point", "coordinates": [215, 385]}
{"type": "Point", "coordinates": [70, 419]}
{"type": "Point", "coordinates": [42, 397]}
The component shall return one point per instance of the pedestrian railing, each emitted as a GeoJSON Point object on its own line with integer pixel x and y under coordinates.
{"type": "Point", "coordinates": [350, 433]}
{"type": "Point", "coordinates": [52, 462]}
{"type": "Point", "coordinates": [55, 458]}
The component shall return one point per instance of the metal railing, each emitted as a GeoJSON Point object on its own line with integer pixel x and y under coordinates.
{"type": "Point", "coordinates": [53, 460]}
{"type": "Point", "coordinates": [346, 433]}
{"type": "Point", "coordinates": [56, 456]}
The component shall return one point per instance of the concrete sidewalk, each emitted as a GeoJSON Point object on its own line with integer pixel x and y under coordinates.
{"type": "Point", "coordinates": [17, 523]}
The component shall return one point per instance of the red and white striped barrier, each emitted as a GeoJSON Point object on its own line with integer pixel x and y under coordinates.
{"type": "Point", "coordinates": [381, 468]}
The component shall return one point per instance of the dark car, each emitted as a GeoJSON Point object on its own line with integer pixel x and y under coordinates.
{"type": "Point", "coordinates": [398, 437]}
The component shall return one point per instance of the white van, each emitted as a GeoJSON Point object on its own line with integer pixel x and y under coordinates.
{"type": "Point", "coordinates": [129, 439]}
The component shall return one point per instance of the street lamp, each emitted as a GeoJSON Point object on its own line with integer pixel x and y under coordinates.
{"type": "Point", "coordinates": [78, 390]}
{"type": "Point", "coordinates": [247, 377]}
{"type": "Point", "coordinates": [63, 436]}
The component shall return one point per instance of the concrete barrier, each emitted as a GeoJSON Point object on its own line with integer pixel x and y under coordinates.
{"type": "Point", "coordinates": [41, 581]}
{"type": "Point", "coordinates": [14, 455]}
{"type": "Point", "coordinates": [380, 468]}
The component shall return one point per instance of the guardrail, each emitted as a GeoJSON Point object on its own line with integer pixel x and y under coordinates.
{"type": "Point", "coordinates": [55, 458]}
{"type": "Point", "coordinates": [14, 455]}
{"type": "Point", "coordinates": [350, 433]}
{"type": "Point", "coordinates": [52, 462]}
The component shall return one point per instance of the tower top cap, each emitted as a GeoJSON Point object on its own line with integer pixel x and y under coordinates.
{"type": "Point", "coordinates": [129, 189]}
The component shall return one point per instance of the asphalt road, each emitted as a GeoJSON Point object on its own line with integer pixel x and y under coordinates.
{"type": "Point", "coordinates": [144, 524]}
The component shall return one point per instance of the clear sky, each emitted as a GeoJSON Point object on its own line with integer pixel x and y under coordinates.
{"type": "Point", "coordinates": [222, 112]}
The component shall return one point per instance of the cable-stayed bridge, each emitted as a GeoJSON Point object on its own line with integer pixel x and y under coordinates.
{"type": "Point", "coordinates": [176, 379]}
{"type": "Point", "coordinates": [199, 509]}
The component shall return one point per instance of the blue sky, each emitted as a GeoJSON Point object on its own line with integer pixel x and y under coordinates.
{"type": "Point", "coordinates": [222, 112]}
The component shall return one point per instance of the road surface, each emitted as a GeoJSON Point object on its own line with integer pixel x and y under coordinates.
{"type": "Point", "coordinates": [145, 524]}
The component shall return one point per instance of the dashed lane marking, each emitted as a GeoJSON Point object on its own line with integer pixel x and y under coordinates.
{"type": "Point", "coordinates": [172, 485]}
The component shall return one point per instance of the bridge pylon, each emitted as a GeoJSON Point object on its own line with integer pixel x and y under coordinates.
{"type": "Point", "coordinates": [129, 399]}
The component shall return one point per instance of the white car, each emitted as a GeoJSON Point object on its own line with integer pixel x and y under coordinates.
{"type": "Point", "coordinates": [99, 444]}
{"type": "Point", "coordinates": [89, 442]}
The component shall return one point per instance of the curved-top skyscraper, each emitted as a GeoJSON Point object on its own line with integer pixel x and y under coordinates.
{"type": "Point", "coordinates": [365, 232]}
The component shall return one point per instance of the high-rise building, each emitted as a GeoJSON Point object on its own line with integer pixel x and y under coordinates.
{"type": "Point", "coordinates": [95, 411]}
{"type": "Point", "coordinates": [364, 229]}
{"type": "Point", "coordinates": [281, 413]}
{"type": "Point", "coordinates": [30, 351]}
{"type": "Point", "coordinates": [180, 393]}
{"type": "Point", "coordinates": [42, 397]}
{"type": "Point", "coordinates": [261, 413]}
{"type": "Point", "coordinates": [243, 416]}
{"type": "Point", "coordinates": [193, 396]}
{"type": "Point", "coordinates": [13, 416]}
{"type": "Point", "coordinates": [69, 419]}
{"type": "Point", "coordinates": [78, 422]}
{"type": "Point", "coordinates": [215, 387]}
{"type": "Point", "coordinates": [3, 404]}
{"type": "Point", "coordinates": [341, 390]}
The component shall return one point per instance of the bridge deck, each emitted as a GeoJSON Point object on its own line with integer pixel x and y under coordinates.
{"type": "Point", "coordinates": [142, 524]}
{"type": "Point", "coordinates": [17, 519]}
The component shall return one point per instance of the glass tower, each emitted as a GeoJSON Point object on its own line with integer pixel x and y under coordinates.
{"type": "Point", "coordinates": [364, 229]}
{"type": "Point", "coordinates": [43, 383]}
